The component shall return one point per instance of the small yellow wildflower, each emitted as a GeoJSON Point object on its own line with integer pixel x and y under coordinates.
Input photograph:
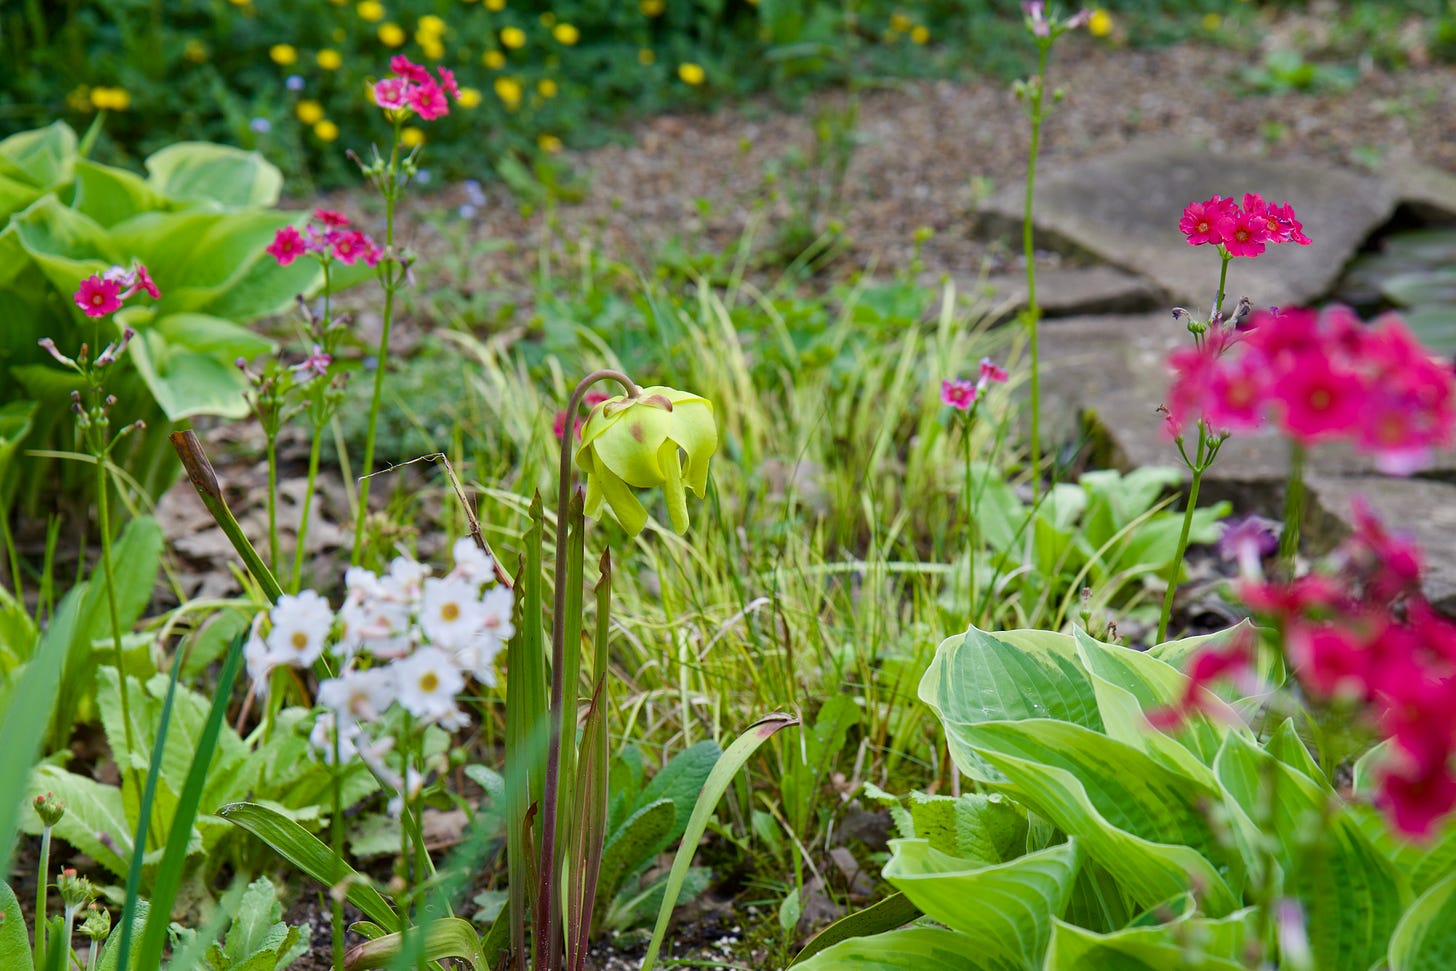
{"type": "Point", "coordinates": [370, 10]}
{"type": "Point", "coordinates": [495, 6]}
{"type": "Point", "coordinates": [194, 50]}
{"type": "Point", "coordinates": [391, 34]}
{"type": "Point", "coordinates": [508, 90]}
{"type": "Point", "coordinates": [566, 34]}
{"type": "Point", "coordinates": [110, 99]}
{"type": "Point", "coordinates": [309, 112]}
{"type": "Point", "coordinates": [652, 8]}
{"type": "Point", "coordinates": [546, 88]}
{"type": "Point", "coordinates": [325, 130]}
{"type": "Point", "coordinates": [691, 73]}
{"type": "Point", "coordinates": [283, 54]}
{"type": "Point", "coordinates": [469, 98]}
{"type": "Point", "coordinates": [430, 24]}
{"type": "Point", "coordinates": [1100, 24]}
{"type": "Point", "coordinates": [411, 137]}
{"type": "Point", "coordinates": [1211, 22]}
{"type": "Point", "coordinates": [513, 37]}
{"type": "Point", "coordinates": [329, 59]}
{"type": "Point", "coordinates": [431, 48]}
{"type": "Point", "coordinates": [240, 3]}
{"type": "Point", "coordinates": [920, 34]}
{"type": "Point", "coordinates": [549, 144]}
{"type": "Point", "coordinates": [646, 56]}
{"type": "Point", "coordinates": [494, 60]}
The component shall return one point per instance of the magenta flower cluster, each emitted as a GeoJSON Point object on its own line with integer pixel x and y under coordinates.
{"type": "Point", "coordinates": [105, 293]}
{"type": "Point", "coordinates": [413, 88]}
{"type": "Point", "coordinates": [1320, 377]}
{"type": "Point", "coordinates": [327, 236]}
{"type": "Point", "coordinates": [1241, 230]}
{"type": "Point", "coordinates": [962, 393]}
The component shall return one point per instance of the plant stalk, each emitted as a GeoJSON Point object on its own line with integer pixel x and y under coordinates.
{"type": "Point", "coordinates": [1033, 311]}
{"type": "Point", "coordinates": [1175, 566]}
{"type": "Point", "coordinates": [1293, 510]}
{"type": "Point", "coordinates": [308, 489]}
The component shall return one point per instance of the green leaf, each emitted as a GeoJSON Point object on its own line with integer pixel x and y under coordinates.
{"type": "Point", "coordinates": [974, 826]}
{"type": "Point", "coordinates": [1189, 944]}
{"type": "Point", "coordinates": [884, 915]}
{"type": "Point", "coordinates": [43, 156]}
{"type": "Point", "coordinates": [632, 845]}
{"type": "Point", "coordinates": [110, 195]}
{"type": "Point", "coordinates": [1010, 922]}
{"type": "Point", "coordinates": [14, 943]}
{"type": "Point", "coordinates": [188, 362]}
{"type": "Point", "coordinates": [201, 172]}
{"type": "Point", "coordinates": [1425, 938]}
{"type": "Point", "coordinates": [446, 937]}
{"type": "Point", "coordinates": [911, 949]}
{"type": "Point", "coordinates": [307, 852]}
{"type": "Point", "coordinates": [91, 810]}
{"type": "Point", "coordinates": [67, 245]}
{"type": "Point", "coordinates": [680, 781]}
{"type": "Point", "coordinates": [111, 952]}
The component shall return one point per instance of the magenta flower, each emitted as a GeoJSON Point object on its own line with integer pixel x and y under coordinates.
{"type": "Point", "coordinates": [427, 100]}
{"type": "Point", "coordinates": [1243, 233]}
{"type": "Point", "coordinates": [331, 218]}
{"type": "Point", "coordinates": [1200, 220]}
{"type": "Point", "coordinates": [351, 246]}
{"type": "Point", "coordinates": [958, 393]}
{"type": "Point", "coordinates": [288, 245]}
{"type": "Point", "coordinates": [98, 296]}
{"type": "Point", "coordinates": [447, 81]}
{"type": "Point", "coordinates": [390, 93]}
{"type": "Point", "coordinates": [317, 363]}
{"type": "Point", "coordinates": [409, 70]}
{"type": "Point", "coordinates": [990, 372]}
{"type": "Point", "coordinates": [414, 89]}
{"type": "Point", "coordinates": [1241, 230]}
{"type": "Point", "coordinates": [1317, 402]}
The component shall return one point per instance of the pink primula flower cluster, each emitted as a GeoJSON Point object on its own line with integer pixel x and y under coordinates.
{"type": "Point", "coordinates": [1364, 636]}
{"type": "Point", "coordinates": [105, 293]}
{"type": "Point", "coordinates": [1320, 377]}
{"type": "Point", "coordinates": [1241, 230]}
{"type": "Point", "coordinates": [414, 89]}
{"type": "Point", "coordinates": [962, 393]}
{"type": "Point", "coordinates": [326, 236]}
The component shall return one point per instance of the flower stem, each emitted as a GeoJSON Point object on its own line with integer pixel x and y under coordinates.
{"type": "Point", "coordinates": [1293, 510]}
{"type": "Point", "coordinates": [336, 844]}
{"type": "Point", "coordinates": [1033, 311]}
{"type": "Point", "coordinates": [1203, 457]}
{"type": "Point", "coordinates": [42, 881]}
{"type": "Point", "coordinates": [103, 517]}
{"type": "Point", "coordinates": [271, 451]}
{"type": "Point", "coordinates": [971, 535]}
{"type": "Point", "coordinates": [1222, 281]}
{"type": "Point", "coordinates": [313, 464]}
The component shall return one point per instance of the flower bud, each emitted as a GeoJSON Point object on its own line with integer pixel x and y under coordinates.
{"type": "Point", "coordinates": [97, 924]}
{"type": "Point", "coordinates": [75, 891]}
{"type": "Point", "coordinates": [49, 808]}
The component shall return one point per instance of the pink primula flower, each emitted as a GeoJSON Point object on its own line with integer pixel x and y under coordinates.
{"type": "Point", "coordinates": [990, 372]}
{"type": "Point", "coordinates": [350, 247]}
{"type": "Point", "coordinates": [958, 394]}
{"type": "Point", "coordinates": [427, 100]}
{"type": "Point", "coordinates": [98, 296]}
{"type": "Point", "coordinates": [390, 93]}
{"type": "Point", "coordinates": [1243, 233]}
{"type": "Point", "coordinates": [409, 70]}
{"type": "Point", "coordinates": [331, 218]}
{"type": "Point", "coordinates": [288, 245]}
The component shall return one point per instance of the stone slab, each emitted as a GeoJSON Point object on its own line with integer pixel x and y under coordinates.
{"type": "Point", "coordinates": [1072, 291]}
{"type": "Point", "coordinates": [1428, 191]}
{"type": "Point", "coordinates": [1124, 209]}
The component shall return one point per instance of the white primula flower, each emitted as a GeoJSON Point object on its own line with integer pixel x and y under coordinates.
{"type": "Point", "coordinates": [260, 662]}
{"type": "Point", "coordinates": [359, 695]}
{"type": "Point", "coordinates": [497, 605]}
{"type": "Point", "coordinates": [405, 580]}
{"type": "Point", "coordinates": [376, 625]}
{"type": "Point", "coordinates": [450, 614]}
{"type": "Point", "coordinates": [300, 628]}
{"type": "Point", "coordinates": [322, 738]}
{"type": "Point", "coordinates": [471, 562]}
{"type": "Point", "coordinates": [428, 682]}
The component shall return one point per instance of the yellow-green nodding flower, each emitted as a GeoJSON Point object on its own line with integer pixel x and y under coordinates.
{"type": "Point", "coordinates": [638, 443]}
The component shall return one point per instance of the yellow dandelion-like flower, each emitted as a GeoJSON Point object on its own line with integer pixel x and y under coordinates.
{"type": "Point", "coordinates": [469, 97]}
{"type": "Point", "coordinates": [110, 99]}
{"type": "Point", "coordinates": [691, 73]}
{"type": "Point", "coordinates": [900, 23]}
{"type": "Point", "coordinates": [652, 8]}
{"type": "Point", "coordinates": [513, 38]}
{"type": "Point", "coordinates": [547, 19]}
{"type": "Point", "coordinates": [494, 60]}
{"type": "Point", "coordinates": [430, 24]}
{"type": "Point", "coordinates": [80, 99]}
{"type": "Point", "coordinates": [431, 48]}
{"type": "Point", "coordinates": [411, 137]}
{"type": "Point", "coordinates": [546, 88]}
{"type": "Point", "coordinates": [920, 34]}
{"type": "Point", "coordinates": [391, 34]}
{"type": "Point", "coordinates": [309, 112]}
{"type": "Point", "coordinates": [549, 144]}
{"type": "Point", "coordinates": [495, 6]}
{"type": "Point", "coordinates": [283, 54]}
{"type": "Point", "coordinates": [370, 10]}
{"type": "Point", "coordinates": [566, 34]}
{"type": "Point", "coordinates": [508, 90]}
{"type": "Point", "coordinates": [1100, 24]}
{"type": "Point", "coordinates": [329, 59]}
{"type": "Point", "coordinates": [325, 130]}
{"type": "Point", "coordinates": [646, 56]}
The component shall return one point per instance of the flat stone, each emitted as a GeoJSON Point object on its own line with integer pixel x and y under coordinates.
{"type": "Point", "coordinates": [1067, 291]}
{"type": "Point", "coordinates": [1427, 191]}
{"type": "Point", "coordinates": [1124, 209]}
{"type": "Point", "coordinates": [1424, 509]}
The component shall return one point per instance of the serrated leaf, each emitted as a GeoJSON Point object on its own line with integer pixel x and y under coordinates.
{"type": "Point", "coordinates": [14, 943]}
{"type": "Point", "coordinates": [632, 846]}
{"type": "Point", "coordinates": [680, 781]}
{"type": "Point", "coordinates": [257, 923]}
{"type": "Point", "coordinates": [91, 810]}
{"type": "Point", "coordinates": [1010, 923]}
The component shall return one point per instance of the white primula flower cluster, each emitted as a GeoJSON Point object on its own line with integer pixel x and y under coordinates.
{"type": "Point", "coordinates": [404, 638]}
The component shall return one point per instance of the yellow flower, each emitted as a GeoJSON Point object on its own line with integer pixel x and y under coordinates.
{"type": "Point", "coordinates": [549, 144]}
{"type": "Point", "coordinates": [691, 73]}
{"type": "Point", "coordinates": [309, 112]}
{"type": "Point", "coordinates": [1211, 22]}
{"type": "Point", "coordinates": [325, 130]}
{"type": "Point", "coordinates": [899, 23]}
{"type": "Point", "coordinates": [652, 8]}
{"type": "Point", "coordinates": [431, 48]}
{"type": "Point", "coordinates": [371, 10]}
{"type": "Point", "coordinates": [329, 59]}
{"type": "Point", "coordinates": [920, 34]}
{"type": "Point", "coordinates": [508, 90]}
{"type": "Point", "coordinates": [110, 99]}
{"type": "Point", "coordinates": [391, 34]}
{"type": "Point", "coordinates": [430, 24]}
{"type": "Point", "coordinates": [513, 37]}
{"type": "Point", "coordinates": [494, 60]}
{"type": "Point", "coordinates": [566, 34]}
{"type": "Point", "coordinates": [283, 54]}
{"type": "Point", "coordinates": [546, 87]}
{"type": "Point", "coordinates": [469, 98]}
{"type": "Point", "coordinates": [495, 6]}
{"type": "Point", "coordinates": [646, 56]}
{"type": "Point", "coordinates": [639, 443]}
{"type": "Point", "coordinates": [194, 50]}
{"type": "Point", "coordinates": [411, 137]}
{"type": "Point", "coordinates": [1100, 24]}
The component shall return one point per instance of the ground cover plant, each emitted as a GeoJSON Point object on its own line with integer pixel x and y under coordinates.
{"type": "Point", "coordinates": [652, 596]}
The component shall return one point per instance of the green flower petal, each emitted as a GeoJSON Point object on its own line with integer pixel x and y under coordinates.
{"type": "Point", "coordinates": [672, 486]}
{"type": "Point", "coordinates": [625, 507]}
{"type": "Point", "coordinates": [630, 446]}
{"type": "Point", "coordinates": [694, 429]}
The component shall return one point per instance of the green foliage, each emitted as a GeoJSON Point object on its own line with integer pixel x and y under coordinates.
{"type": "Point", "coordinates": [199, 221]}
{"type": "Point", "coordinates": [1165, 848]}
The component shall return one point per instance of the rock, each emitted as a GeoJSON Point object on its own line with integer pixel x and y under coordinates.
{"type": "Point", "coordinates": [1424, 509]}
{"type": "Point", "coordinates": [1429, 192]}
{"type": "Point", "coordinates": [1067, 291]}
{"type": "Point", "coordinates": [1124, 209]}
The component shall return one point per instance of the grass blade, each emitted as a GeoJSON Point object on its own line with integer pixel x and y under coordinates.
{"type": "Point", "coordinates": [27, 713]}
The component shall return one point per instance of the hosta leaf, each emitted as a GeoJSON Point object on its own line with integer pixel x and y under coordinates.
{"type": "Point", "coordinates": [109, 195]}
{"type": "Point", "coordinates": [1189, 944]}
{"type": "Point", "coordinates": [910, 949]}
{"type": "Point", "coordinates": [1425, 938]}
{"type": "Point", "coordinates": [201, 172]}
{"type": "Point", "coordinates": [1009, 923]}
{"type": "Point", "coordinates": [43, 156]}
{"type": "Point", "coordinates": [1141, 820]}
